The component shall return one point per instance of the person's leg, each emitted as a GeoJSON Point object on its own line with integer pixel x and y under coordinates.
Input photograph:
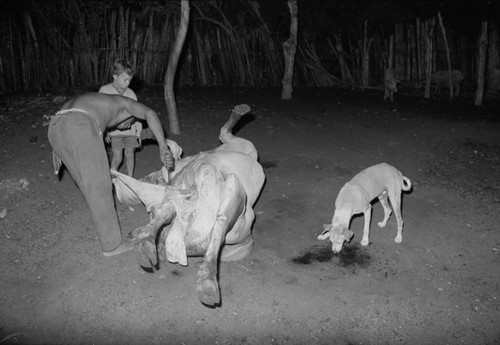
{"type": "Point", "coordinates": [83, 153]}
{"type": "Point", "coordinates": [130, 160]}
{"type": "Point", "coordinates": [117, 149]}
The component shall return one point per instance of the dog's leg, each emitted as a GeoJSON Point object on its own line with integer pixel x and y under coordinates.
{"type": "Point", "coordinates": [366, 230]}
{"type": "Point", "coordinates": [387, 209]}
{"type": "Point", "coordinates": [395, 199]}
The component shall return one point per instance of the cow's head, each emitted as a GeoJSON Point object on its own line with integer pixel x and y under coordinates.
{"type": "Point", "coordinates": [337, 236]}
{"type": "Point", "coordinates": [175, 149]}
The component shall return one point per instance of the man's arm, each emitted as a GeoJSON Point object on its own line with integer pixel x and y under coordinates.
{"type": "Point", "coordinates": [145, 113]}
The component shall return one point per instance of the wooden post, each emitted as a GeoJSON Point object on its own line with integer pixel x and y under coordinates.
{"type": "Point", "coordinates": [481, 66]}
{"type": "Point", "coordinates": [365, 56]}
{"type": "Point", "coordinates": [492, 75]}
{"type": "Point", "coordinates": [289, 50]}
{"type": "Point", "coordinates": [202, 60]}
{"type": "Point", "coordinates": [418, 40]}
{"type": "Point", "coordinates": [391, 53]}
{"type": "Point", "coordinates": [338, 50]}
{"type": "Point", "coordinates": [428, 57]}
{"type": "Point", "coordinates": [448, 58]}
{"type": "Point", "coordinates": [168, 85]}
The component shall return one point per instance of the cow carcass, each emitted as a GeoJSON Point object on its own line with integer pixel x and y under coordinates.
{"type": "Point", "coordinates": [204, 208]}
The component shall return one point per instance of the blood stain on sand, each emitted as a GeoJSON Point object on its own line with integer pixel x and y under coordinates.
{"type": "Point", "coordinates": [348, 256]}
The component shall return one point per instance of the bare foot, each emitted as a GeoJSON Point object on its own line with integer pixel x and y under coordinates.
{"type": "Point", "coordinates": [125, 246]}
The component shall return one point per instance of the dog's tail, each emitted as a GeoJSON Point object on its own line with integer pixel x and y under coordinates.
{"type": "Point", "coordinates": [406, 184]}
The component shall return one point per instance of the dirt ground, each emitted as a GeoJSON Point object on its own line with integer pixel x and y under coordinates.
{"type": "Point", "coordinates": [439, 286]}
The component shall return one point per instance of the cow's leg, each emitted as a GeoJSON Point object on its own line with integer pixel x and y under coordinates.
{"type": "Point", "coordinates": [226, 130]}
{"type": "Point", "coordinates": [239, 241]}
{"type": "Point", "coordinates": [145, 236]}
{"type": "Point", "coordinates": [231, 207]}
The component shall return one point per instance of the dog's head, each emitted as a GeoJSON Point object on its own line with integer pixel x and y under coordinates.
{"type": "Point", "coordinates": [337, 236]}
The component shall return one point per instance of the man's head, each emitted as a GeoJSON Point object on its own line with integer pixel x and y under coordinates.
{"type": "Point", "coordinates": [123, 73]}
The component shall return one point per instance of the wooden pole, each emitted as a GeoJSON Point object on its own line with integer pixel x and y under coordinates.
{"type": "Point", "coordinates": [202, 60]}
{"type": "Point", "coordinates": [391, 53]}
{"type": "Point", "coordinates": [173, 116]}
{"type": "Point", "coordinates": [289, 50]}
{"type": "Point", "coordinates": [448, 57]}
{"type": "Point", "coordinates": [418, 43]}
{"type": "Point", "coordinates": [483, 50]}
{"type": "Point", "coordinates": [428, 58]}
{"type": "Point", "coordinates": [365, 56]}
{"type": "Point", "coordinates": [339, 53]}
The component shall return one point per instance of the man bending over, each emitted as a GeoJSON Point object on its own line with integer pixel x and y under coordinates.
{"type": "Point", "coordinates": [76, 136]}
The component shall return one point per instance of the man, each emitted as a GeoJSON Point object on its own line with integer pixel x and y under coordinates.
{"type": "Point", "coordinates": [76, 135]}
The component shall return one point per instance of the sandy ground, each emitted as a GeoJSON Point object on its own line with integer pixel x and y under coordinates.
{"type": "Point", "coordinates": [439, 286]}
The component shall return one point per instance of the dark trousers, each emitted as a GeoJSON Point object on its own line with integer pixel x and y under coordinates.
{"type": "Point", "coordinates": [77, 140]}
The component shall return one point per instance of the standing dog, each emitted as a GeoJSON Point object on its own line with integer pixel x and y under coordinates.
{"type": "Point", "coordinates": [382, 181]}
{"type": "Point", "coordinates": [390, 84]}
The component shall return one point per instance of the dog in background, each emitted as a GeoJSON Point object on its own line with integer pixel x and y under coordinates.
{"type": "Point", "coordinates": [390, 84]}
{"type": "Point", "coordinates": [381, 181]}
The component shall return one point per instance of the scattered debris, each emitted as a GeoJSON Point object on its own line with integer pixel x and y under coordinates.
{"type": "Point", "coordinates": [9, 186]}
{"type": "Point", "coordinates": [23, 183]}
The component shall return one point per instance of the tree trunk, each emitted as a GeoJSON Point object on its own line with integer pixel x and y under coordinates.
{"type": "Point", "coordinates": [338, 50]}
{"type": "Point", "coordinates": [202, 60]}
{"type": "Point", "coordinates": [493, 60]}
{"type": "Point", "coordinates": [168, 85]}
{"type": "Point", "coordinates": [289, 49]}
{"type": "Point", "coordinates": [365, 56]}
{"type": "Point", "coordinates": [418, 40]}
{"type": "Point", "coordinates": [428, 58]}
{"type": "Point", "coordinates": [483, 49]}
{"type": "Point", "coordinates": [448, 58]}
{"type": "Point", "coordinates": [391, 53]}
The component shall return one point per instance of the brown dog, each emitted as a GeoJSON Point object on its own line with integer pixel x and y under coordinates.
{"type": "Point", "coordinates": [380, 181]}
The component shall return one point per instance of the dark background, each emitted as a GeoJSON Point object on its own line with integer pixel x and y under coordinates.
{"type": "Point", "coordinates": [71, 43]}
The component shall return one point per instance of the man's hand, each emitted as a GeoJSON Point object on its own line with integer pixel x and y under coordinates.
{"type": "Point", "coordinates": [166, 157]}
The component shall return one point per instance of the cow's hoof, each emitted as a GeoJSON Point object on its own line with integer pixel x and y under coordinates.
{"type": "Point", "coordinates": [142, 258]}
{"type": "Point", "coordinates": [146, 254]}
{"type": "Point", "coordinates": [208, 292]}
{"type": "Point", "coordinates": [242, 109]}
